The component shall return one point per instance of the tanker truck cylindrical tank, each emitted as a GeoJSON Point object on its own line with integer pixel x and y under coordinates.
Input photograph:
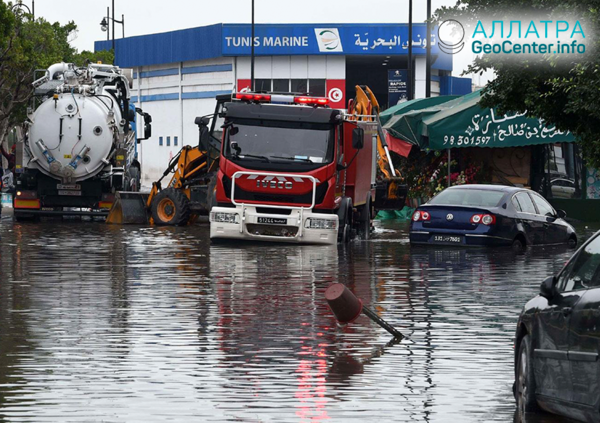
{"type": "Point", "coordinates": [66, 125]}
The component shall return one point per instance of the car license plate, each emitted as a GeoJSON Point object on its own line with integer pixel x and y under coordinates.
{"type": "Point", "coordinates": [272, 220]}
{"type": "Point", "coordinates": [75, 187]}
{"type": "Point", "coordinates": [72, 193]}
{"type": "Point", "coordinates": [455, 239]}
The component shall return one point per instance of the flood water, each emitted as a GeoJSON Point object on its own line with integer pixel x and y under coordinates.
{"type": "Point", "coordinates": [110, 323]}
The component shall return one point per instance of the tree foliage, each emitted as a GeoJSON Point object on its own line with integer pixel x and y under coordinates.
{"type": "Point", "coordinates": [564, 90]}
{"type": "Point", "coordinates": [25, 46]}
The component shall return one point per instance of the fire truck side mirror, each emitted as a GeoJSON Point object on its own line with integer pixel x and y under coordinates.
{"type": "Point", "coordinates": [358, 138]}
{"type": "Point", "coordinates": [202, 121]}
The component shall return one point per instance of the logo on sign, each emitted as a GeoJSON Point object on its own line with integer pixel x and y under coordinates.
{"type": "Point", "coordinates": [335, 95]}
{"type": "Point", "coordinates": [328, 40]}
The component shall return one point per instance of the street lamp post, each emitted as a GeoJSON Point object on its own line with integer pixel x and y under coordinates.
{"type": "Point", "coordinates": [104, 25]}
{"type": "Point", "coordinates": [428, 56]}
{"type": "Point", "coordinates": [252, 51]}
{"type": "Point", "coordinates": [410, 67]}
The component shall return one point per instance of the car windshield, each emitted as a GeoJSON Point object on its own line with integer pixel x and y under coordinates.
{"type": "Point", "coordinates": [468, 197]}
{"type": "Point", "coordinates": [280, 142]}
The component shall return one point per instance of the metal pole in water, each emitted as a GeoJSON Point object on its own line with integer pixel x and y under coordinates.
{"type": "Point", "coordinates": [346, 308]}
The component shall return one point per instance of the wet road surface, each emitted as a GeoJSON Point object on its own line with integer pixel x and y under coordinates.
{"type": "Point", "coordinates": [108, 323]}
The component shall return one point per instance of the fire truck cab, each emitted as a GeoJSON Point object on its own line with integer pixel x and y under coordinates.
{"type": "Point", "coordinates": [293, 170]}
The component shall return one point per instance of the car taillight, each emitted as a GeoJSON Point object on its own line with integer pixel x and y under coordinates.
{"type": "Point", "coordinates": [486, 219]}
{"type": "Point", "coordinates": [253, 97]}
{"type": "Point", "coordinates": [319, 101]}
{"type": "Point", "coordinates": [421, 216]}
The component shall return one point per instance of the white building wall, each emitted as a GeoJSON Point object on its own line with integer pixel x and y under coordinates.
{"type": "Point", "coordinates": [420, 77]}
{"type": "Point", "coordinates": [174, 101]}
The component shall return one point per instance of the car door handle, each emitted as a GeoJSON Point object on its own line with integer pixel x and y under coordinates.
{"type": "Point", "coordinates": [566, 311]}
{"type": "Point", "coordinates": [546, 226]}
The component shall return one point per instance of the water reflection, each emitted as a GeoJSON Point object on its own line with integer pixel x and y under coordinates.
{"type": "Point", "coordinates": [131, 323]}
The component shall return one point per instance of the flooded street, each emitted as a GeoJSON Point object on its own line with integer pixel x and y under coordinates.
{"type": "Point", "coordinates": [126, 323]}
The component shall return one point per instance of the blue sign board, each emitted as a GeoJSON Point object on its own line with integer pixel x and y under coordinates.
{"type": "Point", "coordinates": [315, 39]}
{"type": "Point", "coordinates": [397, 86]}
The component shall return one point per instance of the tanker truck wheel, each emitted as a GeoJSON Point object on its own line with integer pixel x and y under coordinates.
{"type": "Point", "coordinates": [170, 207]}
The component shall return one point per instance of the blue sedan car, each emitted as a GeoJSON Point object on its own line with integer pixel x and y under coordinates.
{"type": "Point", "coordinates": [489, 215]}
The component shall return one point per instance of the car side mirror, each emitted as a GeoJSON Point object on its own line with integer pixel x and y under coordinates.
{"type": "Point", "coordinates": [561, 213]}
{"type": "Point", "coordinates": [548, 287]}
{"type": "Point", "coordinates": [358, 138]}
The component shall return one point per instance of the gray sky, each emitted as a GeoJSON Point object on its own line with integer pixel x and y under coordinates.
{"type": "Point", "coordinates": [151, 16]}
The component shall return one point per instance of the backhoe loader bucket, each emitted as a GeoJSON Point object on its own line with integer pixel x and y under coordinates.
{"type": "Point", "coordinates": [129, 208]}
{"type": "Point", "coordinates": [390, 194]}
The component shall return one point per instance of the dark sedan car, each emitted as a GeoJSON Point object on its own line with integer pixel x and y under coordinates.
{"type": "Point", "coordinates": [489, 215]}
{"type": "Point", "coordinates": [557, 343]}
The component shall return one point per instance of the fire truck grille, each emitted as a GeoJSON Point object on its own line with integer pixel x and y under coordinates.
{"type": "Point", "coordinates": [260, 197]}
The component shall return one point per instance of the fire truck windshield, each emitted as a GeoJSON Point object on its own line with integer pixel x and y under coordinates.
{"type": "Point", "coordinates": [284, 142]}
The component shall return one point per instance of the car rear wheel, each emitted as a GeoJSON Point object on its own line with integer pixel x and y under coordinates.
{"type": "Point", "coordinates": [525, 382]}
{"type": "Point", "coordinates": [518, 246]}
{"type": "Point", "coordinates": [572, 242]}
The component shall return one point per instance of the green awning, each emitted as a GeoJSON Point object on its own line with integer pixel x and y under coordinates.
{"type": "Point", "coordinates": [416, 104]}
{"type": "Point", "coordinates": [404, 120]}
{"type": "Point", "coordinates": [443, 122]}
{"type": "Point", "coordinates": [466, 124]}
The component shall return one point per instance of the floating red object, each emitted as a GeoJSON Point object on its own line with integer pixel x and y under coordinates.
{"type": "Point", "coordinates": [343, 303]}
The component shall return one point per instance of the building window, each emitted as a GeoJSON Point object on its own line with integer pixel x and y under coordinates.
{"type": "Point", "coordinates": [168, 141]}
{"type": "Point", "coordinates": [316, 87]}
{"type": "Point", "coordinates": [175, 141]}
{"type": "Point", "coordinates": [281, 85]}
{"type": "Point", "coordinates": [160, 141]}
{"type": "Point", "coordinates": [299, 86]}
{"type": "Point", "coordinates": [262, 85]}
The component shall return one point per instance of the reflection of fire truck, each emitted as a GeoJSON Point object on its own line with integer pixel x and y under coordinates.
{"type": "Point", "coordinates": [294, 170]}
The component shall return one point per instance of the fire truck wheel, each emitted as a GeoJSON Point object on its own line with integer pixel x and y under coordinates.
{"type": "Point", "coordinates": [345, 220]}
{"type": "Point", "coordinates": [170, 207]}
{"type": "Point", "coordinates": [364, 220]}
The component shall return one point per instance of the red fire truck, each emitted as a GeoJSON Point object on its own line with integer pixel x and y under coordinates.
{"type": "Point", "coordinates": [293, 170]}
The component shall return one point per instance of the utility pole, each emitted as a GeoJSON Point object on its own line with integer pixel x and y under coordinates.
{"type": "Point", "coordinates": [252, 51]}
{"type": "Point", "coordinates": [410, 36]}
{"type": "Point", "coordinates": [428, 56]}
{"type": "Point", "coordinates": [113, 26]}
{"type": "Point", "coordinates": [107, 27]}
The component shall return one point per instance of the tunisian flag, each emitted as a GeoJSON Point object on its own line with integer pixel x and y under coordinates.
{"type": "Point", "coordinates": [397, 145]}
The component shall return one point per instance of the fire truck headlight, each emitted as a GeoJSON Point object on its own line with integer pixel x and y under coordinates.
{"type": "Point", "coordinates": [221, 217]}
{"type": "Point", "coordinates": [320, 224]}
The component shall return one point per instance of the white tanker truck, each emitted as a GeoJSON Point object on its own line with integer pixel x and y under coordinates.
{"type": "Point", "coordinates": [80, 145]}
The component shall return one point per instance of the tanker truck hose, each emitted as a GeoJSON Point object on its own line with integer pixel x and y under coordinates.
{"type": "Point", "coordinates": [123, 89]}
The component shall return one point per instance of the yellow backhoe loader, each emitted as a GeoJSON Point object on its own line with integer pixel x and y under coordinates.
{"type": "Point", "coordinates": [390, 193]}
{"type": "Point", "coordinates": [190, 191]}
